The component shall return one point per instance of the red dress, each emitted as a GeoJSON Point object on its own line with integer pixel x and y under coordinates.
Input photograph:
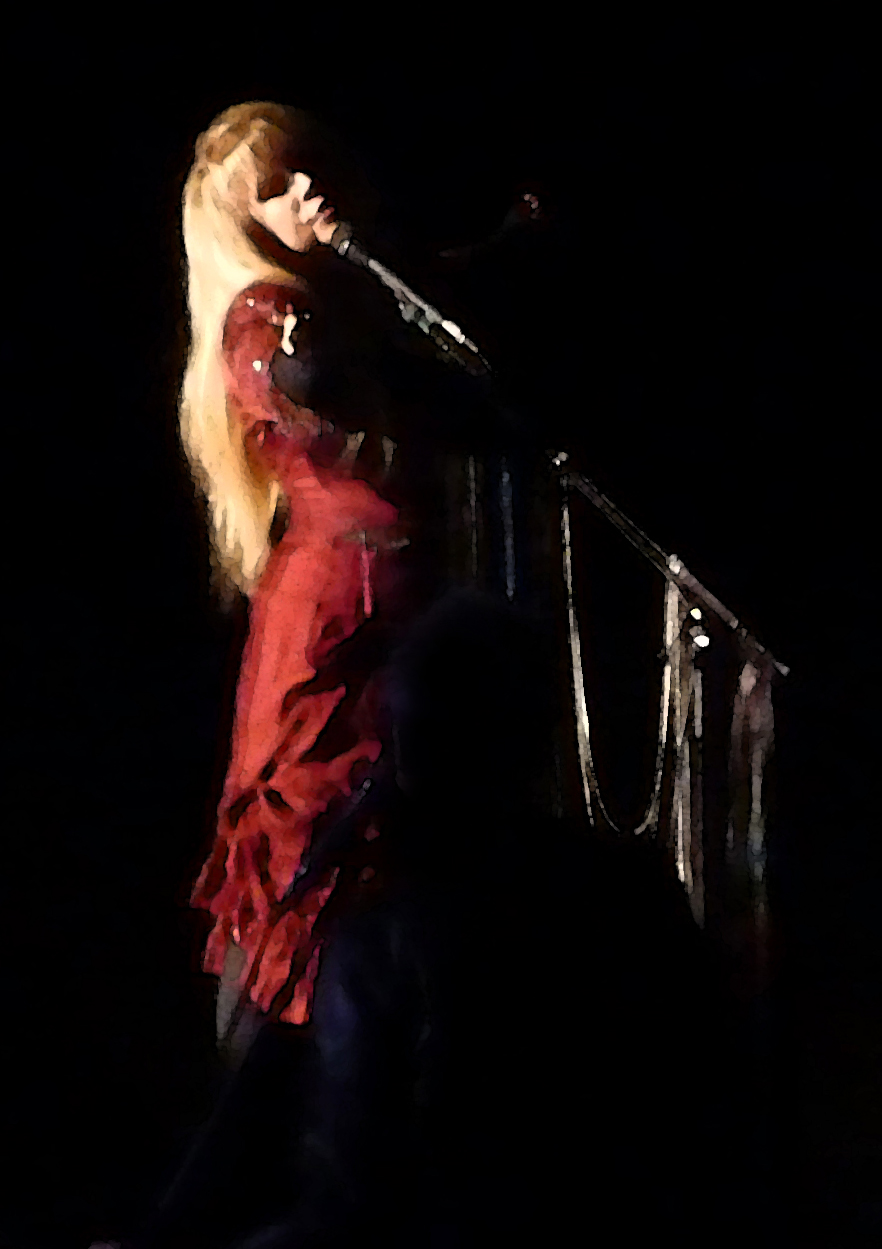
{"type": "Point", "coordinates": [319, 587]}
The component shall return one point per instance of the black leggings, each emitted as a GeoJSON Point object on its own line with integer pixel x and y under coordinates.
{"type": "Point", "coordinates": [234, 1178]}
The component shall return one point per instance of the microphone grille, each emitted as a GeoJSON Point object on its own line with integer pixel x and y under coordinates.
{"type": "Point", "coordinates": [342, 237]}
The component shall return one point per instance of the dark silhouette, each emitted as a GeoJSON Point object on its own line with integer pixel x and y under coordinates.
{"type": "Point", "coordinates": [515, 1026]}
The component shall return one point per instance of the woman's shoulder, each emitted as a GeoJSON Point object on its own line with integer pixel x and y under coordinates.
{"type": "Point", "coordinates": [266, 299]}
{"type": "Point", "coordinates": [261, 321]}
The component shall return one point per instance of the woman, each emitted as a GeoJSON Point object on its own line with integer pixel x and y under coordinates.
{"type": "Point", "coordinates": [292, 416]}
{"type": "Point", "coordinates": [294, 528]}
{"type": "Point", "coordinates": [300, 527]}
{"type": "Point", "coordinates": [335, 531]}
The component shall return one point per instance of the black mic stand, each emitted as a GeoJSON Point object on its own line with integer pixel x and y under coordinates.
{"type": "Point", "coordinates": [448, 337]}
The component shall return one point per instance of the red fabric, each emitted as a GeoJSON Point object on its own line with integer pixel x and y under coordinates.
{"type": "Point", "coordinates": [317, 590]}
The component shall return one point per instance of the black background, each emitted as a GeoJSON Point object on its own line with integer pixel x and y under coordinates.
{"type": "Point", "coordinates": [697, 333]}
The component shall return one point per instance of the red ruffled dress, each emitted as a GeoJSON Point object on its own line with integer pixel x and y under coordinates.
{"type": "Point", "coordinates": [319, 587]}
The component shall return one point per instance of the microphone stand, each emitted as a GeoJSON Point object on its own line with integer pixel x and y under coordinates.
{"type": "Point", "coordinates": [444, 333]}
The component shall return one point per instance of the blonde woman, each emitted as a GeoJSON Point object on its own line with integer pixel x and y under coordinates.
{"type": "Point", "coordinates": [293, 410]}
{"type": "Point", "coordinates": [292, 422]}
{"type": "Point", "coordinates": [299, 525]}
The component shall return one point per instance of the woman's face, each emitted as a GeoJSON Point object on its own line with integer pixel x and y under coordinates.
{"type": "Point", "coordinates": [299, 217]}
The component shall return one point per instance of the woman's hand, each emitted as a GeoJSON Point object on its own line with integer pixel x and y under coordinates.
{"type": "Point", "coordinates": [296, 219]}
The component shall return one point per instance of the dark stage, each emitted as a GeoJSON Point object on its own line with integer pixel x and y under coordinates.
{"type": "Point", "coordinates": [693, 328]}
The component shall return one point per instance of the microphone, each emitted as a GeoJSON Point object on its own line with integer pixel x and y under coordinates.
{"type": "Point", "coordinates": [445, 334]}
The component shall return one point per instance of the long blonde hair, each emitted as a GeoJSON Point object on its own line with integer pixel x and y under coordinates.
{"type": "Point", "coordinates": [222, 261]}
